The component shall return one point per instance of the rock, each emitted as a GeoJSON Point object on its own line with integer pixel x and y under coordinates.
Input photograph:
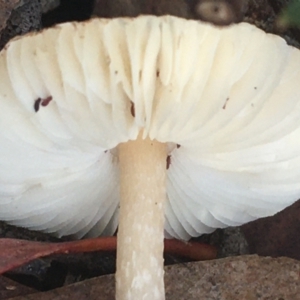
{"type": "Point", "coordinates": [244, 277]}
{"type": "Point", "coordinates": [24, 17]}
{"type": "Point", "coordinates": [229, 241]}
{"type": "Point", "coordinates": [18, 17]}
{"type": "Point", "coordinates": [6, 8]}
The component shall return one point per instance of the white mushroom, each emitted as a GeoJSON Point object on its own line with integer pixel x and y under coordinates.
{"type": "Point", "coordinates": [81, 100]}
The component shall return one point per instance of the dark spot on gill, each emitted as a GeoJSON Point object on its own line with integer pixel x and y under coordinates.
{"type": "Point", "coordinates": [255, 87]}
{"type": "Point", "coordinates": [46, 101]}
{"type": "Point", "coordinates": [36, 105]}
{"type": "Point", "coordinates": [168, 161]}
{"type": "Point", "coordinates": [157, 73]}
{"type": "Point", "coordinates": [132, 109]}
{"type": "Point", "coordinates": [178, 146]}
{"type": "Point", "coordinates": [42, 102]}
{"type": "Point", "coordinates": [224, 106]}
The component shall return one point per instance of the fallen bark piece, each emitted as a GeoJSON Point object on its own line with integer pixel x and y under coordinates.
{"type": "Point", "coordinates": [275, 236]}
{"type": "Point", "coordinates": [243, 277]}
{"type": "Point", "coordinates": [14, 252]}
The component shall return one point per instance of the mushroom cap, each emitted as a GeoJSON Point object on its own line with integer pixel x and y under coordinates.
{"type": "Point", "coordinates": [228, 96]}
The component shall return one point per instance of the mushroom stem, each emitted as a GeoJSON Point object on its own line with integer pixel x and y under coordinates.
{"type": "Point", "coordinates": [140, 241]}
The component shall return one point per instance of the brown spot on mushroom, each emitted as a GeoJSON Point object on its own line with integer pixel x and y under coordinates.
{"type": "Point", "coordinates": [116, 72]}
{"type": "Point", "coordinates": [46, 101]}
{"type": "Point", "coordinates": [132, 109]}
{"type": "Point", "coordinates": [36, 105]}
{"type": "Point", "coordinates": [178, 146]}
{"type": "Point", "coordinates": [224, 106]}
{"type": "Point", "coordinates": [168, 161]}
{"type": "Point", "coordinates": [42, 102]}
{"type": "Point", "coordinates": [157, 73]}
{"type": "Point", "coordinates": [255, 87]}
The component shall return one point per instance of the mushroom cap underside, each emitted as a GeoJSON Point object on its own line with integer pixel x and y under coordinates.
{"type": "Point", "coordinates": [227, 97]}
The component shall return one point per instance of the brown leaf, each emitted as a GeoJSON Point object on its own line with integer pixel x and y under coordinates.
{"type": "Point", "coordinates": [14, 252]}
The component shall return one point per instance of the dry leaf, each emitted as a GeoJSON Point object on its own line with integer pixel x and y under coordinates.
{"type": "Point", "coordinates": [15, 252]}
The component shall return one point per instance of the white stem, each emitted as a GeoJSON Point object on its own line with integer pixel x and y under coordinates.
{"type": "Point", "coordinates": [140, 264]}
